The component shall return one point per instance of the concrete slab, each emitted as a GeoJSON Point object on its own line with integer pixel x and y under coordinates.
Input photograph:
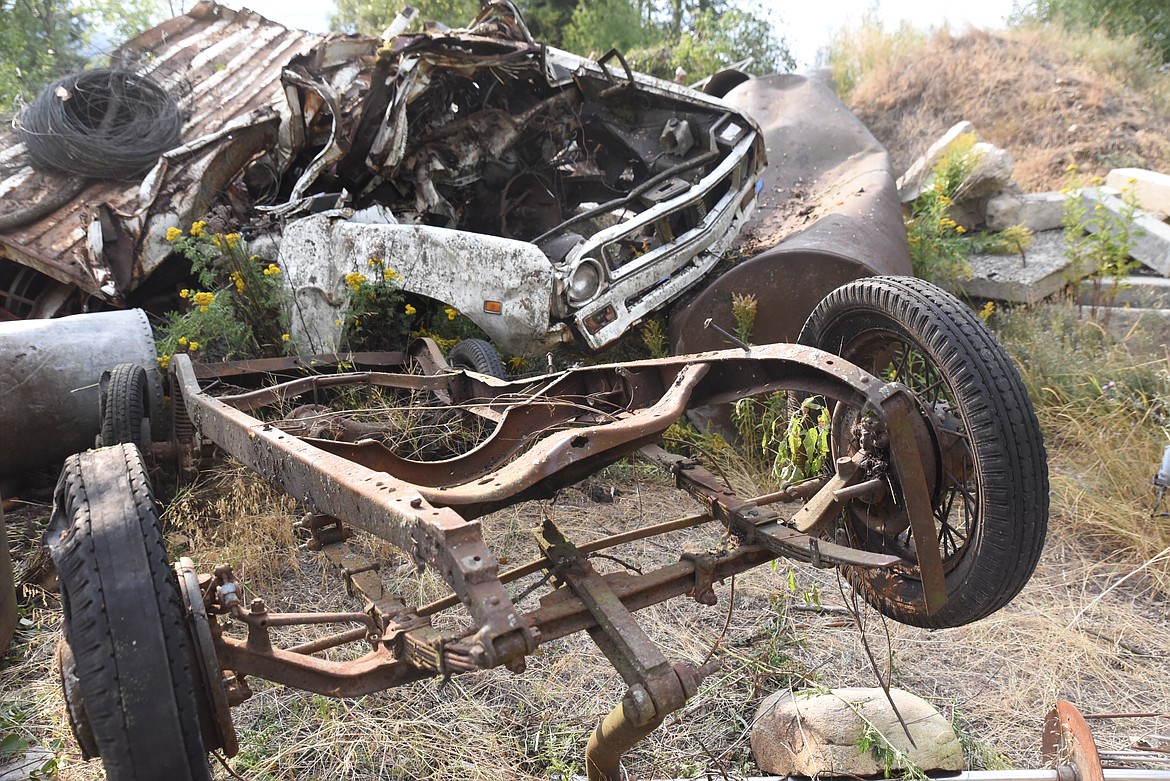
{"type": "Point", "coordinates": [1143, 292]}
{"type": "Point", "coordinates": [1151, 240]}
{"type": "Point", "coordinates": [1151, 187]}
{"type": "Point", "coordinates": [1038, 211]}
{"type": "Point", "coordinates": [1040, 272]}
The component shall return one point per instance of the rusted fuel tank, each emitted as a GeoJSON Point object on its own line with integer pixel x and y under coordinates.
{"type": "Point", "coordinates": [49, 372]}
{"type": "Point", "coordinates": [827, 213]}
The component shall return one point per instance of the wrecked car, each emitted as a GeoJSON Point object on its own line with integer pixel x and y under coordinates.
{"type": "Point", "coordinates": [547, 197]}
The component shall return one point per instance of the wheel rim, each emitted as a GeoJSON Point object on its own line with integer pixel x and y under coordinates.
{"type": "Point", "coordinates": [893, 357]}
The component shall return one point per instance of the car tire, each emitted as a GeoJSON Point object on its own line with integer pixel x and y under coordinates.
{"type": "Point", "coordinates": [125, 410]}
{"type": "Point", "coordinates": [478, 356]}
{"type": "Point", "coordinates": [131, 676]}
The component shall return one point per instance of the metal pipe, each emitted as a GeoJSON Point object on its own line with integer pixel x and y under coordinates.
{"type": "Point", "coordinates": [8, 610]}
{"type": "Point", "coordinates": [614, 736]}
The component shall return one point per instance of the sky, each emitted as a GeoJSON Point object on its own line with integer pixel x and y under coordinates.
{"type": "Point", "coordinates": [806, 26]}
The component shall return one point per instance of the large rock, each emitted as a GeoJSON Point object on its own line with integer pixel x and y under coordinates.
{"type": "Point", "coordinates": [813, 733]}
{"type": "Point", "coordinates": [1150, 236]}
{"type": "Point", "coordinates": [1027, 277]}
{"type": "Point", "coordinates": [917, 176]}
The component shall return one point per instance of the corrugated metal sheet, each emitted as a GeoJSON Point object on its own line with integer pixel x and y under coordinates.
{"type": "Point", "coordinates": [224, 67]}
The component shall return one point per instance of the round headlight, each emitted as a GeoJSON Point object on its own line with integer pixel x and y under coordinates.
{"type": "Point", "coordinates": [584, 281]}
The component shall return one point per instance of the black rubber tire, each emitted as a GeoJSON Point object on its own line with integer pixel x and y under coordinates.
{"type": "Point", "coordinates": [125, 406]}
{"type": "Point", "coordinates": [123, 620]}
{"type": "Point", "coordinates": [477, 356]}
{"type": "Point", "coordinates": [992, 518]}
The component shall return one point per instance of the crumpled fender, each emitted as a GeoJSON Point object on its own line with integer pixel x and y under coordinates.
{"type": "Point", "coordinates": [463, 270]}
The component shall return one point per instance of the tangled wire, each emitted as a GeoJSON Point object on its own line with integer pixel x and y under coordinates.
{"type": "Point", "coordinates": [101, 123]}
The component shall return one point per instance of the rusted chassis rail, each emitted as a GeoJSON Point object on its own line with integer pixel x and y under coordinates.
{"type": "Point", "coordinates": [548, 432]}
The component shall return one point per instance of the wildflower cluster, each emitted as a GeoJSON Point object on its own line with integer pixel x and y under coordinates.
{"type": "Point", "coordinates": [1098, 241]}
{"type": "Point", "coordinates": [937, 249]}
{"type": "Point", "coordinates": [376, 316]}
{"type": "Point", "coordinates": [238, 310]}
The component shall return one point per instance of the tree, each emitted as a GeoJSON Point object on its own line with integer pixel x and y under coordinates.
{"type": "Point", "coordinates": [597, 27]}
{"type": "Point", "coordinates": [1147, 19]}
{"type": "Point", "coordinates": [41, 40]}
{"type": "Point", "coordinates": [700, 36]}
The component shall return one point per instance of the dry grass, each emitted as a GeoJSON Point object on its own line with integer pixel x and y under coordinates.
{"type": "Point", "coordinates": [1103, 405]}
{"type": "Point", "coordinates": [1066, 636]}
{"type": "Point", "coordinates": [1049, 97]}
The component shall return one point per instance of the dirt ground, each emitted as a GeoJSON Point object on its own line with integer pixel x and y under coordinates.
{"type": "Point", "coordinates": [1048, 104]}
{"type": "Point", "coordinates": [1080, 631]}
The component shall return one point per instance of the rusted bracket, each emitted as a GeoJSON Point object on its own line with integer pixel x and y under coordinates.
{"type": "Point", "coordinates": [766, 527]}
{"type": "Point", "coordinates": [907, 460]}
{"type": "Point", "coordinates": [656, 688]}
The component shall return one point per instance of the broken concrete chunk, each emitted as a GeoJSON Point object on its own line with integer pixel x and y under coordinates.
{"type": "Point", "coordinates": [1038, 212]}
{"type": "Point", "coordinates": [1151, 236]}
{"type": "Point", "coordinates": [1151, 188]}
{"type": "Point", "coordinates": [1026, 277]}
{"type": "Point", "coordinates": [912, 183]}
{"type": "Point", "coordinates": [821, 734]}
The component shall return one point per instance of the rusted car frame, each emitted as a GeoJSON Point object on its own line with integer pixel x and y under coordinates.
{"type": "Point", "coordinates": [569, 425]}
{"type": "Point", "coordinates": [934, 502]}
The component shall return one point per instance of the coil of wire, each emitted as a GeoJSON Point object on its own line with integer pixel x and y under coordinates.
{"type": "Point", "coordinates": [101, 123]}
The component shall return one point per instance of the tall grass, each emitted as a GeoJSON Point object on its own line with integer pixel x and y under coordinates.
{"type": "Point", "coordinates": [854, 52]}
{"type": "Point", "coordinates": [1103, 405]}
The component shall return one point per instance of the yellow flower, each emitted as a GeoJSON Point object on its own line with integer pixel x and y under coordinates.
{"type": "Point", "coordinates": [451, 313]}
{"type": "Point", "coordinates": [987, 311]}
{"type": "Point", "coordinates": [203, 298]}
{"type": "Point", "coordinates": [1131, 180]}
{"type": "Point", "coordinates": [372, 262]}
{"type": "Point", "coordinates": [409, 309]}
{"type": "Point", "coordinates": [193, 346]}
{"type": "Point", "coordinates": [182, 341]}
{"type": "Point", "coordinates": [284, 337]}
{"type": "Point", "coordinates": [232, 239]}
{"type": "Point", "coordinates": [184, 293]}
{"type": "Point", "coordinates": [238, 279]}
{"type": "Point", "coordinates": [173, 233]}
{"type": "Point", "coordinates": [164, 362]}
{"type": "Point", "coordinates": [1072, 168]}
{"type": "Point", "coordinates": [517, 362]}
{"type": "Point", "coordinates": [960, 229]}
{"type": "Point", "coordinates": [389, 274]}
{"type": "Point", "coordinates": [337, 322]}
{"type": "Point", "coordinates": [355, 279]}
{"type": "Point", "coordinates": [197, 228]}
{"type": "Point", "coordinates": [253, 257]}
{"type": "Point", "coordinates": [271, 271]}
{"type": "Point", "coordinates": [217, 240]}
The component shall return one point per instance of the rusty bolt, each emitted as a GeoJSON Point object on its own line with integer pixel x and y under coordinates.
{"type": "Point", "coordinates": [846, 468]}
{"type": "Point", "coordinates": [257, 607]}
{"type": "Point", "coordinates": [638, 705]}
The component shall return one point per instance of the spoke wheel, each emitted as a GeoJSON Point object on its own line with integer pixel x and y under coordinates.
{"type": "Point", "coordinates": [983, 454]}
{"type": "Point", "coordinates": [128, 671]}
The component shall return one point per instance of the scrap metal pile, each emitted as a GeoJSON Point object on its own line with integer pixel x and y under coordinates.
{"type": "Point", "coordinates": [549, 197]}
